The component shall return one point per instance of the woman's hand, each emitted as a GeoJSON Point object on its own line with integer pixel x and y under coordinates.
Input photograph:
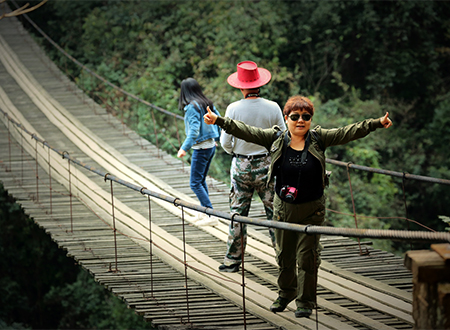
{"type": "Point", "coordinates": [386, 121]}
{"type": "Point", "coordinates": [210, 117]}
{"type": "Point", "coordinates": [181, 153]}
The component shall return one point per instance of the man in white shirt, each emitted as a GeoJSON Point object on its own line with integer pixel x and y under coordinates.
{"type": "Point", "coordinates": [250, 162]}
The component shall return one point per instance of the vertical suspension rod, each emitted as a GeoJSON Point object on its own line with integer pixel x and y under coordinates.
{"type": "Point", "coordinates": [50, 180]}
{"type": "Point", "coordinates": [9, 149]}
{"type": "Point", "coordinates": [185, 262]}
{"type": "Point", "coordinates": [354, 208]}
{"type": "Point", "coordinates": [114, 223]}
{"type": "Point", "coordinates": [70, 195]}
{"type": "Point", "coordinates": [150, 242]}
{"type": "Point", "coordinates": [243, 276]}
{"type": "Point", "coordinates": [37, 170]}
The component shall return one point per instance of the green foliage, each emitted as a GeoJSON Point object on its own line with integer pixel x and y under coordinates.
{"type": "Point", "coordinates": [394, 49]}
{"type": "Point", "coordinates": [446, 220]}
{"type": "Point", "coordinates": [21, 296]}
{"type": "Point", "coordinates": [357, 59]}
{"type": "Point", "coordinates": [85, 304]}
{"type": "Point", "coordinates": [374, 195]}
{"type": "Point", "coordinates": [41, 288]}
{"type": "Point", "coordinates": [162, 53]}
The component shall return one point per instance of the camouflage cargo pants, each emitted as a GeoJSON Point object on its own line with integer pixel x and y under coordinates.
{"type": "Point", "coordinates": [247, 176]}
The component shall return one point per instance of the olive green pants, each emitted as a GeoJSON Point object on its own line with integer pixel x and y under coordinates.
{"type": "Point", "coordinates": [298, 254]}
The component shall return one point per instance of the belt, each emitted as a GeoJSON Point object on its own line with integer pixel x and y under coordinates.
{"type": "Point", "coordinates": [251, 157]}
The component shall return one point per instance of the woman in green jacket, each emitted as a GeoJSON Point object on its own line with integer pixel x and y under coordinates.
{"type": "Point", "coordinates": [298, 164]}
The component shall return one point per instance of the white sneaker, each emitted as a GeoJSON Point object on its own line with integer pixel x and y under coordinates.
{"type": "Point", "coordinates": [208, 221]}
{"type": "Point", "coordinates": [200, 216]}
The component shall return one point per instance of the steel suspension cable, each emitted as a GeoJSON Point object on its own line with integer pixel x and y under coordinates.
{"type": "Point", "coordinates": [176, 116]}
{"type": "Point", "coordinates": [81, 65]}
{"type": "Point", "coordinates": [307, 229]}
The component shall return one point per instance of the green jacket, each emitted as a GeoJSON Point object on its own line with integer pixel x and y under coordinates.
{"type": "Point", "coordinates": [272, 138]}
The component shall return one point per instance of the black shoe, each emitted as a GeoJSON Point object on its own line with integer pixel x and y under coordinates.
{"type": "Point", "coordinates": [279, 304]}
{"type": "Point", "coordinates": [303, 312]}
{"type": "Point", "coordinates": [229, 269]}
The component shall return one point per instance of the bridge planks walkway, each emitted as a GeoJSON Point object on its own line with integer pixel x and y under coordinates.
{"type": "Point", "coordinates": [91, 241]}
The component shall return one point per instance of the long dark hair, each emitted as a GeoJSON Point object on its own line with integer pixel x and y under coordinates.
{"type": "Point", "coordinates": [191, 91]}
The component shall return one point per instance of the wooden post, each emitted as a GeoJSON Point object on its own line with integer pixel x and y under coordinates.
{"type": "Point", "coordinates": [431, 290]}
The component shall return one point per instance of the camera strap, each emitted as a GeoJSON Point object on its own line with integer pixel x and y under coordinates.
{"type": "Point", "coordinates": [302, 157]}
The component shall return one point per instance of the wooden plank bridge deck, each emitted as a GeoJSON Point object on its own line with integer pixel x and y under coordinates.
{"type": "Point", "coordinates": [355, 292]}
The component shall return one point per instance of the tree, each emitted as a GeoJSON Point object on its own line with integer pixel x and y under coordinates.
{"type": "Point", "coordinates": [355, 59]}
{"type": "Point", "coordinates": [41, 288]}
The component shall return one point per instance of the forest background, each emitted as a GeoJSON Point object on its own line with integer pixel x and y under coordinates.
{"type": "Point", "coordinates": [354, 59]}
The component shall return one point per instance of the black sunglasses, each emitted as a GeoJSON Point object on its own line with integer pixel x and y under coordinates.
{"type": "Point", "coordinates": [296, 116]}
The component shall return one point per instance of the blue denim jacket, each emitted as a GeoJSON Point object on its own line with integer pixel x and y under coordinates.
{"type": "Point", "coordinates": [196, 130]}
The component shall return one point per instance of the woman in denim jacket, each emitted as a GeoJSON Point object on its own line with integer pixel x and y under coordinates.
{"type": "Point", "coordinates": [298, 163]}
{"type": "Point", "coordinates": [201, 138]}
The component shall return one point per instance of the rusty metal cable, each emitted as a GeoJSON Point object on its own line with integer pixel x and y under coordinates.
{"type": "Point", "coordinates": [390, 173]}
{"type": "Point", "coordinates": [330, 161]}
{"type": "Point", "coordinates": [81, 65]}
{"type": "Point", "coordinates": [349, 232]}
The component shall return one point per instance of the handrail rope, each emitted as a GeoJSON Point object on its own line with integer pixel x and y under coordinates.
{"type": "Point", "coordinates": [110, 107]}
{"type": "Point", "coordinates": [174, 115]}
{"type": "Point", "coordinates": [232, 217]}
{"type": "Point", "coordinates": [107, 82]}
{"type": "Point", "coordinates": [30, 164]}
{"type": "Point", "coordinates": [350, 232]}
{"type": "Point", "coordinates": [65, 155]}
{"type": "Point", "coordinates": [111, 227]}
{"type": "Point", "coordinates": [83, 99]}
{"type": "Point", "coordinates": [390, 173]}
{"type": "Point", "coordinates": [373, 217]}
{"type": "Point", "coordinates": [330, 161]}
{"type": "Point", "coordinates": [94, 73]}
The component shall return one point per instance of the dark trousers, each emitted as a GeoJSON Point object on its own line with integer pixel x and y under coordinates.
{"type": "Point", "coordinates": [298, 254]}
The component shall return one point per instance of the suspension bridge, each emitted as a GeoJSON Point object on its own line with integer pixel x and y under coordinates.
{"type": "Point", "coordinates": [123, 209]}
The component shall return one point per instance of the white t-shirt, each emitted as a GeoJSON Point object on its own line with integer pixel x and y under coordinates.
{"type": "Point", "coordinates": [257, 112]}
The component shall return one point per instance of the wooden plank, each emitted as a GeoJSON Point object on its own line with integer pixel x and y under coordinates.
{"type": "Point", "coordinates": [260, 249]}
{"type": "Point", "coordinates": [427, 266]}
{"type": "Point", "coordinates": [443, 250]}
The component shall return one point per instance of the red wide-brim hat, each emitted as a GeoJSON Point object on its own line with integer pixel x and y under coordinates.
{"type": "Point", "coordinates": [249, 76]}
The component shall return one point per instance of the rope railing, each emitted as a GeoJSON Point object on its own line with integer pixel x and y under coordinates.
{"type": "Point", "coordinates": [308, 229]}
{"type": "Point", "coordinates": [96, 75]}
{"type": "Point", "coordinates": [37, 150]}
{"type": "Point", "coordinates": [403, 175]}
{"type": "Point", "coordinates": [410, 236]}
{"type": "Point", "coordinates": [348, 232]}
{"type": "Point", "coordinates": [104, 81]}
